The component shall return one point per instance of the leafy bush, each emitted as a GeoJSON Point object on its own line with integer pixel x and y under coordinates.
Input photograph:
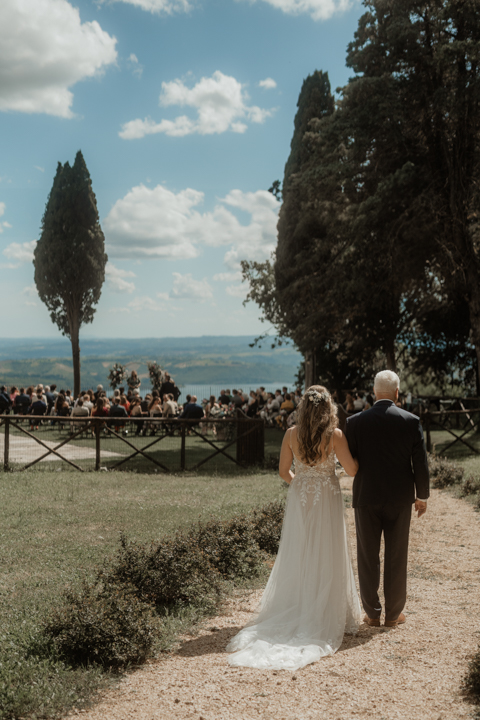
{"type": "Point", "coordinates": [174, 570]}
{"type": "Point", "coordinates": [104, 624]}
{"type": "Point", "coordinates": [470, 486]}
{"type": "Point", "coordinates": [443, 472]}
{"type": "Point", "coordinates": [230, 546]}
{"type": "Point", "coordinates": [471, 681]}
{"type": "Point", "coordinates": [267, 524]}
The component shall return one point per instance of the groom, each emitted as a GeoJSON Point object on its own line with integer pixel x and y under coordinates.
{"type": "Point", "coordinates": [393, 474]}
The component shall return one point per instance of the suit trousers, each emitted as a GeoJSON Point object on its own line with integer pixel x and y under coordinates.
{"type": "Point", "coordinates": [393, 520]}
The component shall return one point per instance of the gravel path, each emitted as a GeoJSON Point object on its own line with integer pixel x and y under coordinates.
{"type": "Point", "coordinates": [23, 449]}
{"type": "Point", "coordinates": [411, 672]}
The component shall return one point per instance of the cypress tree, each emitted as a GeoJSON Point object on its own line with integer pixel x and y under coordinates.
{"type": "Point", "coordinates": [70, 257]}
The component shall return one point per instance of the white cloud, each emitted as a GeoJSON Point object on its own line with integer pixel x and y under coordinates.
{"type": "Point", "coordinates": [38, 167]}
{"type": "Point", "coordinates": [318, 9]}
{"type": "Point", "coordinates": [237, 291]}
{"type": "Point", "coordinates": [20, 253]}
{"type": "Point", "coordinates": [31, 293]}
{"type": "Point", "coordinates": [221, 104]}
{"type": "Point", "coordinates": [141, 304]}
{"type": "Point", "coordinates": [3, 224]}
{"type": "Point", "coordinates": [158, 7]}
{"type": "Point", "coordinates": [159, 223]}
{"type": "Point", "coordinates": [153, 223]}
{"type": "Point", "coordinates": [228, 277]}
{"type": "Point", "coordinates": [134, 65]}
{"type": "Point", "coordinates": [186, 288]}
{"type": "Point", "coordinates": [267, 84]}
{"type": "Point", "coordinates": [116, 279]}
{"type": "Point", "coordinates": [44, 50]}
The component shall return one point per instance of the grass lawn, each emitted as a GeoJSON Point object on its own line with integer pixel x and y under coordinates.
{"type": "Point", "coordinates": [57, 526]}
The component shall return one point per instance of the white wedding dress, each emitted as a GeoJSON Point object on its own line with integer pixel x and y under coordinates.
{"type": "Point", "coordinates": [310, 600]}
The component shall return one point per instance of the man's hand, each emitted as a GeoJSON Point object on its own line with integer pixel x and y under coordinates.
{"type": "Point", "coordinates": [420, 507]}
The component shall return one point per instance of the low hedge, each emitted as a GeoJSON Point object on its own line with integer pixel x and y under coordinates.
{"type": "Point", "coordinates": [444, 473]}
{"type": "Point", "coordinates": [103, 624]}
{"type": "Point", "coordinates": [111, 622]}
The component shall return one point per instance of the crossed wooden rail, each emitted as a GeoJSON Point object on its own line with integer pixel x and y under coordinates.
{"type": "Point", "coordinates": [441, 418]}
{"type": "Point", "coordinates": [248, 452]}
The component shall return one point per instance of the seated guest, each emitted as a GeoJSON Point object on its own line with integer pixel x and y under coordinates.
{"type": "Point", "coordinates": [349, 404]}
{"type": "Point", "coordinates": [39, 407]}
{"type": "Point", "coordinates": [118, 415]}
{"type": "Point", "coordinates": [359, 402]}
{"type": "Point", "coordinates": [285, 409]}
{"type": "Point", "coordinates": [192, 411]}
{"type": "Point", "coordinates": [5, 401]}
{"type": "Point", "coordinates": [22, 403]}
{"type": "Point", "coordinates": [237, 399]}
{"type": "Point", "coordinates": [80, 410]}
{"type": "Point", "coordinates": [50, 398]}
{"type": "Point", "coordinates": [100, 409]}
{"type": "Point", "coordinates": [253, 406]}
{"type": "Point", "coordinates": [136, 412]}
{"type": "Point", "coordinates": [13, 393]}
{"type": "Point", "coordinates": [224, 399]}
{"type": "Point", "coordinates": [169, 408]}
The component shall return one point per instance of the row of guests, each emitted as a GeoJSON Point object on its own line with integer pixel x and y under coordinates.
{"type": "Point", "coordinates": [272, 408]}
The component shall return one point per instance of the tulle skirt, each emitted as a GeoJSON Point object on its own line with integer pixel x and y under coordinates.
{"type": "Point", "coordinates": [310, 600]}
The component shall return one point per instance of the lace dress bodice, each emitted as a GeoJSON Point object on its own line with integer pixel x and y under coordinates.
{"type": "Point", "coordinates": [311, 480]}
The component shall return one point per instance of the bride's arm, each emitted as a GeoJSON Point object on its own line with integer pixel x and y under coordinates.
{"type": "Point", "coordinates": [340, 444]}
{"type": "Point", "coordinates": [286, 459]}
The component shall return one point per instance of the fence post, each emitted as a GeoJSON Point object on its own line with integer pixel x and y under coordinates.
{"type": "Point", "coordinates": [182, 449]}
{"type": "Point", "coordinates": [97, 443]}
{"type": "Point", "coordinates": [429, 436]}
{"type": "Point", "coordinates": [6, 447]}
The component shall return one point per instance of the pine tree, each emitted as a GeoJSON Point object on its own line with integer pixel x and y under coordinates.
{"type": "Point", "coordinates": [70, 257]}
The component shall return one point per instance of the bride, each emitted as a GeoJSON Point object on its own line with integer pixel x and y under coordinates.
{"type": "Point", "coordinates": [310, 600]}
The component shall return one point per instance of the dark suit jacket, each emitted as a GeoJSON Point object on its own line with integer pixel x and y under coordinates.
{"type": "Point", "coordinates": [389, 446]}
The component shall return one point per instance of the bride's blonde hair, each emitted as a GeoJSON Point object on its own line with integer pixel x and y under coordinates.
{"type": "Point", "coordinates": [316, 419]}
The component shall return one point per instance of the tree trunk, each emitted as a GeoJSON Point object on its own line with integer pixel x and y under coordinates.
{"type": "Point", "coordinates": [390, 354]}
{"type": "Point", "coordinates": [310, 370]}
{"type": "Point", "coordinates": [474, 307]}
{"type": "Point", "coordinates": [74, 338]}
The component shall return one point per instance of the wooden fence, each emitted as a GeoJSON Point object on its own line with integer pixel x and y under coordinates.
{"type": "Point", "coordinates": [244, 435]}
{"type": "Point", "coordinates": [458, 423]}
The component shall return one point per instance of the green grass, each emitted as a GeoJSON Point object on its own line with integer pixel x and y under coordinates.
{"type": "Point", "coordinates": [57, 527]}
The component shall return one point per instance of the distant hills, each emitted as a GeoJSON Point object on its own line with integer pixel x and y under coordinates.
{"type": "Point", "coordinates": [204, 360]}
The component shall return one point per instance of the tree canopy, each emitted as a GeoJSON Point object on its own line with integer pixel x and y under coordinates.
{"type": "Point", "coordinates": [69, 257]}
{"type": "Point", "coordinates": [380, 199]}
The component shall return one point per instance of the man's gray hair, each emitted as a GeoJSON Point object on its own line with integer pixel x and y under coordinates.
{"type": "Point", "coordinates": [386, 382]}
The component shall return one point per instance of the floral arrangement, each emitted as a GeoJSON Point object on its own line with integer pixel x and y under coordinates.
{"type": "Point", "coordinates": [117, 375]}
{"type": "Point", "coordinates": [156, 375]}
{"type": "Point", "coordinates": [133, 381]}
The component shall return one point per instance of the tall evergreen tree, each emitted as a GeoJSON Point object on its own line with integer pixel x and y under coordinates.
{"type": "Point", "coordinates": [70, 257]}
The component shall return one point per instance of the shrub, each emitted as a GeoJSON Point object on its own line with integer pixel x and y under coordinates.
{"type": "Point", "coordinates": [104, 624]}
{"type": "Point", "coordinates": [267, 524]}
{"type": "Point", "coordinates": [230, 546]}
{"type": "Point", "coordinates": [443, 472]}
{"type": "Point", "coordinates": [471, 681]}
{"type": "Point", "coordinates": [174, 570]}
{"type": "Point", "coordinates": [470, 486]}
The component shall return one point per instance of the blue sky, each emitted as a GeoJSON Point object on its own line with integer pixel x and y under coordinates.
{"type": "Point", "coordinates": [184, 112]}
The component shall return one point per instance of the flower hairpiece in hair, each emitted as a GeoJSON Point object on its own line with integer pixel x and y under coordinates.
{"type": "Point", "coordinates": [316, 397]}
